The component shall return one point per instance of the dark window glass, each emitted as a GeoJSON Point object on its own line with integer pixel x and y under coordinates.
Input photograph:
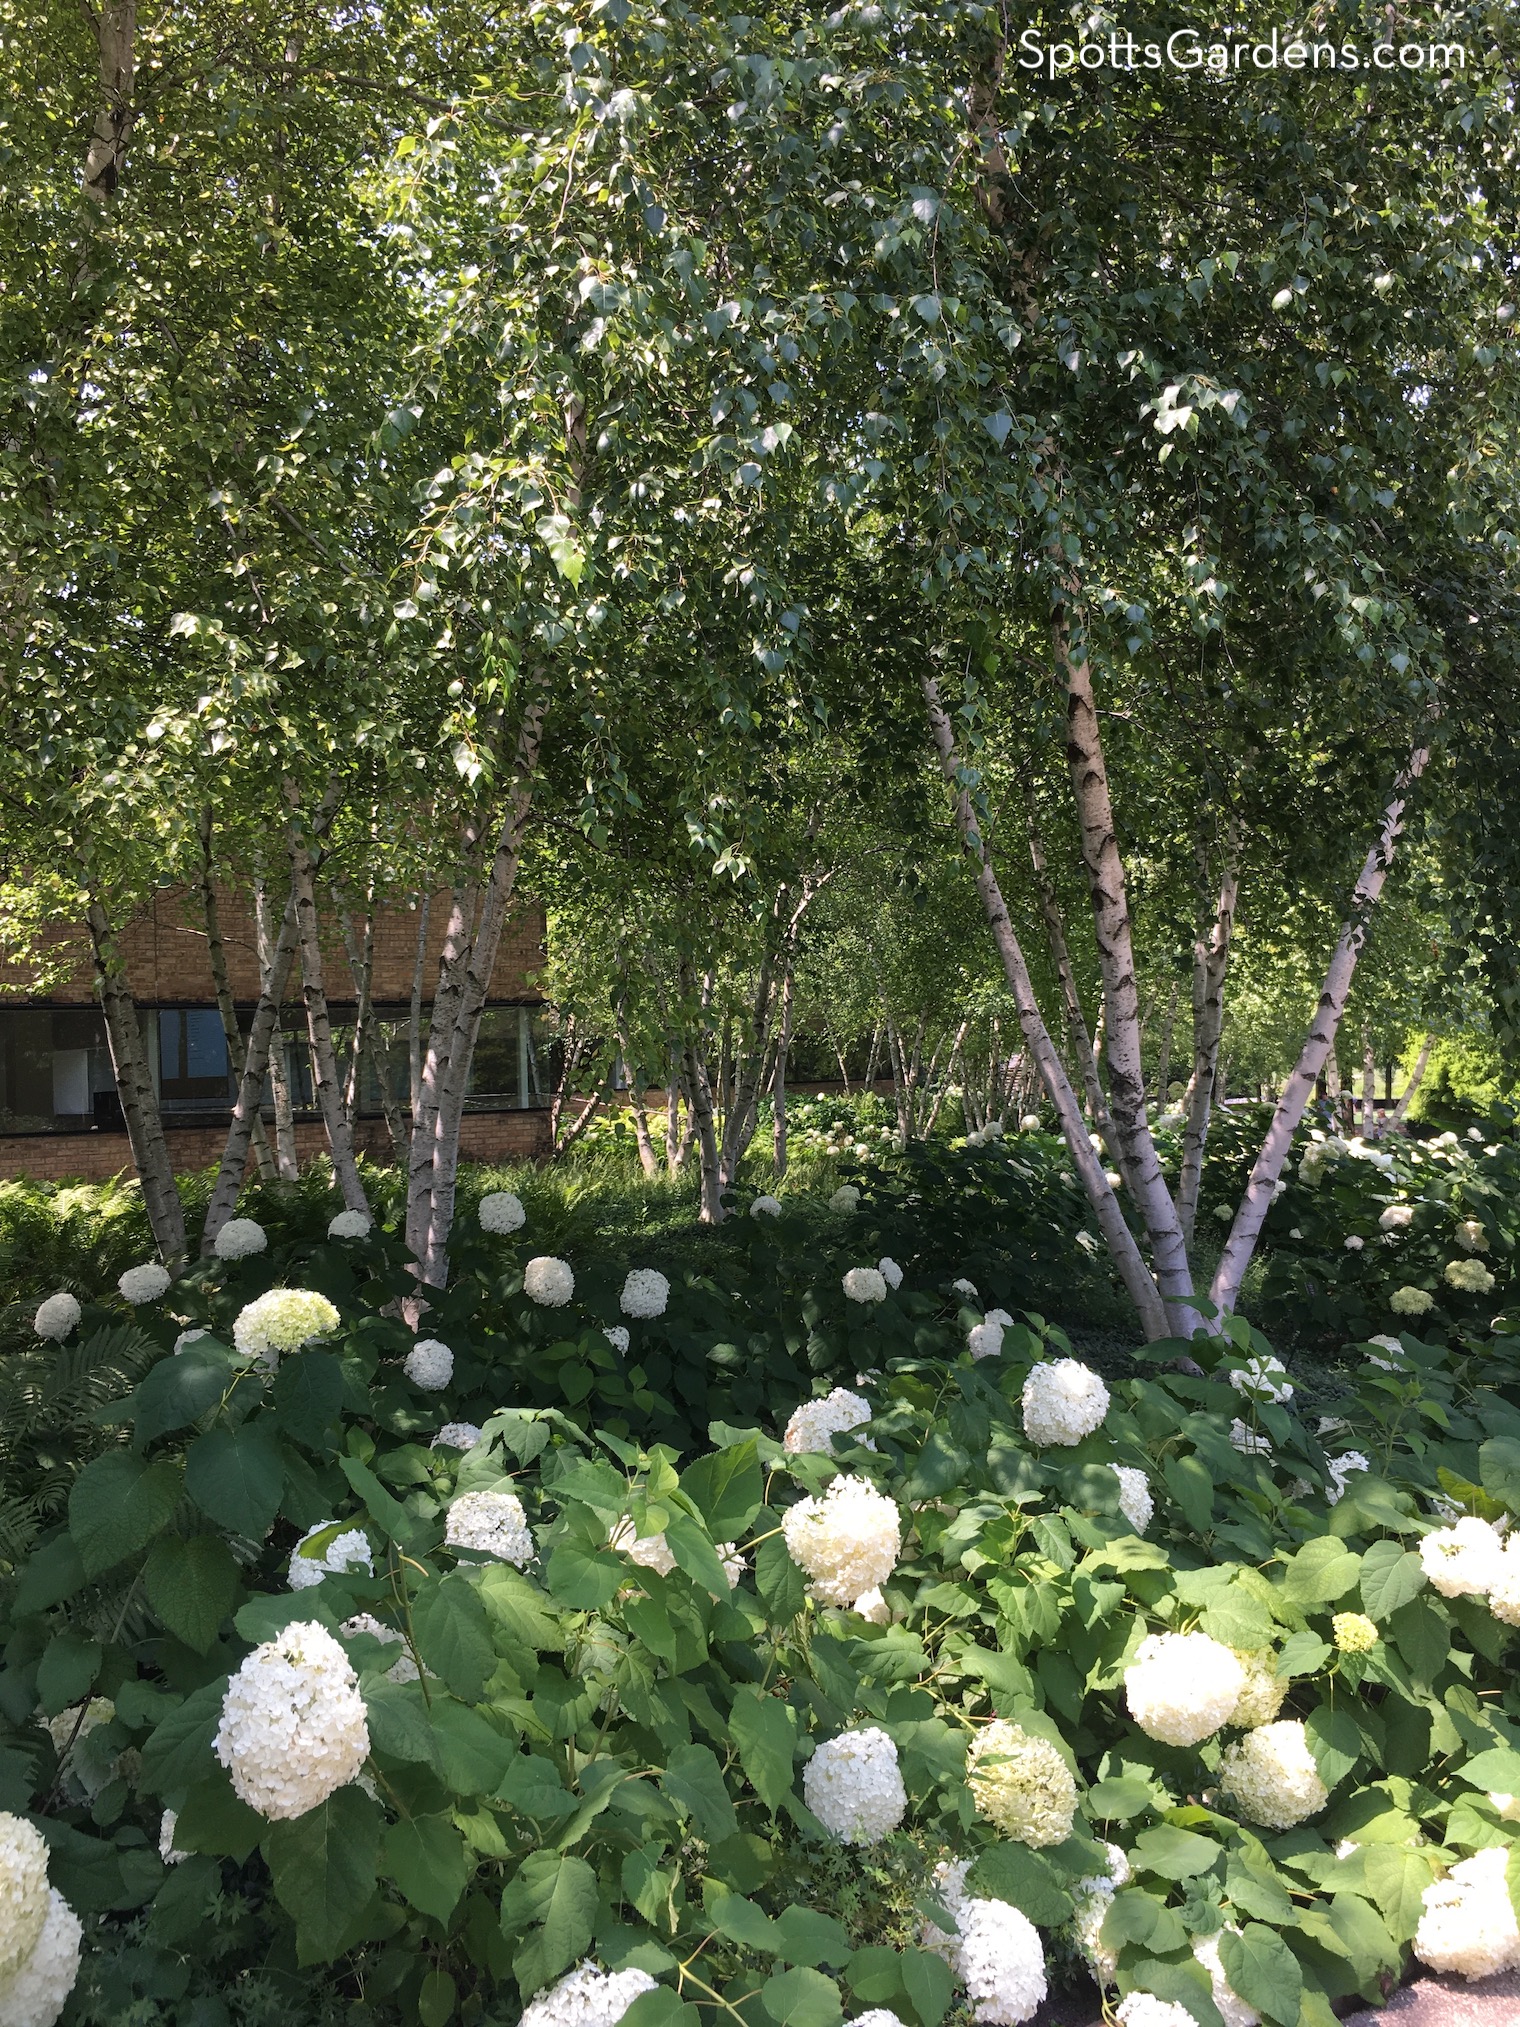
{"type": "Point", "coordinates": [192, 1054]}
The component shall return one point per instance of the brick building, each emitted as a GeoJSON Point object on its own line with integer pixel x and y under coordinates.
{"type": "Point", "coordinates": [59, 1114]}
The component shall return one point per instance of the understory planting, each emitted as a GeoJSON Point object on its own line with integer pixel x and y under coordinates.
{"type": "Point", "coordinates": [811, 1637]}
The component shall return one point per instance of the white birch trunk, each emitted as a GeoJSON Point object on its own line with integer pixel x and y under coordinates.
{"type": "Point", "coordinates": [326, 1078]}
{"type": "Point", "coordinates": [139, 1096]}
{"type": "Point", "coordinates": [1416, 1078]}
{"type": "Point", "coordinates": [1211, 963]}
{"type": "Point", "coordinates": [1118, 1237]}
{"type": "Point", "coordinates": [1318, 1045]}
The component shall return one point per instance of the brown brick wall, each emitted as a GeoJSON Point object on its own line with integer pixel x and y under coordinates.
{"type": "Point", "coordinates": [95, 1157]}
{"type": "Point", "coordinates": [167, 962]}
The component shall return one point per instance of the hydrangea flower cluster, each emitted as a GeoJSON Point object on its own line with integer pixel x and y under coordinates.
{"type": "Point", "coordinates": [814, 1424]}
{"type": "Point", "coordinates": [293, 1729]}
{"type": "Point", "coordinates": [1144, 2009]}
{"type": "Point", "coordinates": [994, 1951]}
{"type": "Point", "coordinates": [845, 1198]}
{"type": "Point", "coordinates": [1261, 1696]}
{"type": "Point", "coordinates": [645, 1293]}
{"type": "Point", "coordinates": [1411, 1302]}
{"type": "Point", "coordinates": [166, 1847]}
{"type": "Point", "coordinates": [848, 1541]}
{"type": "Point", "coordinates": [23, 1891]}
{"type": "Point", "coordinates": [1471, 1276]}
{"type": "Point", "coordinates": [617, 1336]}
{"type": "Point", "coordinates": [587, 1997]}
{"type": "Point", "coordinates": [1063, 1402]}
{"type": "Point", "coordinates": [1354, 1632]}
{"type": "Point", "coordinates": [1465, 1560]}
{"type": "Point", "coordinates": [1021, 1784]}
{"type": "Point", "coordinates": [57, 1316]}
{"type": "Point", "coordinates": [347, 1551]}
{"type": "Point", "coordinates": [965, 1289]}
{"type": "Point", "coordinates": [501, 1212]}
{"type": "Point", "coordinates": [349, 1225]}
{"type": "Point", "coordinates": [240, 1239]}
{"type": "Point", "coordinates": [1263, 1379]}
{"type": "Point", "coordinates": [853, 1786]}
{"type": "Point", "coordinates": [1272, 1777]}
{"type": "Point", "coordinates": [1397, 1218]}
{"type": "Point", "coordinates": [429, 1364]}
{"type": "Point", "coordinates": [188, 1337]}
{"type": "Point", "coordinates": [1472, 1236]}
{"type": "Point", "coordinates": [1468, 1924]}
{"type": "Point", "coordinates": [273, 1325]}
{"type": "Point", "coordinates": [548, 1281]}
{"type": "Point", "coordinates": [402, 1670]}
{"type": "Point", "coordinates": [1342, 1470]}
{"type": "Point", "coordinates": [456, 1436]}
{"type": "Point", "coordinates": [889, 1271]}
{"type": "Point", "coordinates": [144, 1284]}
{"type": "Point", "coordinates": [985, 1339]}
{"type": "Point", "coordinates": [1091, 1899]}
{"type": "Point", "coordinates": [865, 1284]}
{"type": "Point", "coordinates": [492, 1523]}
{"type": "Point", "coordinates": [649, 1551]}
{"type": "Point", "coordinates": [765, 1207]}
{"type": "Point", "coordinates": [1135, 1501]}
{"type": "Point", "coordinates": [1181, 1687]}
{"type": "Point", "coordinates": [37, 1990]}
{"type": "Point", "coordinates": [1249, 1442]}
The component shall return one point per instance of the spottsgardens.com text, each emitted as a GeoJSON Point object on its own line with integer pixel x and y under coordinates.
{"type": "Point", "coordinates": [1188, 50]}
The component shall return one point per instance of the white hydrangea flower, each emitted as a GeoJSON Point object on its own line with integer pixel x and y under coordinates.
{"type": "Point", "coordinates": [995, 1951]}
{"type": "Point", "coordinates": [1063, 1402]}
{"type": "Point", "coordinates": [966, 1290]}
{"type": "Point", "coordinates": [649, 1551]}
{"type": "Point", "coordinates": [1135, 1501]}
{"type": "Point", "coordinates": [846, 1197]}
{"type": "Point", "coordinates": [1263, 1379]}
{"type": "Point", "coordinates": [865, 1284]}
{"type": "Point", "coordinates": [873, 1607]}
{"type": "Point", "coordinates": [1504, 1592]}
{"type": "Point", "coordinates": [429, 1364]}
{"type": "Point", "coordinates": [1507, 1807]}
{"type": "Point", "coordinates": [985, 1339]}
{"type": "Point", "coordinates": [848, 1541]}
{"type": "Point", "coordinates": [1468, 1925]}
{"type": "Point", "coordinates": [1463, 1561]}
{"type": "Point", "coordinates": [1353, 1243]}
{"type": "Point", "coordinates": [166, 1850]}
{"type": "Point", "coordinates": [36, 1992]}
{"type": "Point", "coordinates": [293, 1729]}
{"type": "Point", "coordinates": [57, 1316]}
{"type": "Point", "coordinates": [1411, 1302]}
{"type": "Point", "coordinates": [1342, 1470]}
{"type": "Point", "coordinates": [347, 1551]}
{"type": "Point", "coordinates": [1471, 1276]}
{"type": "Point", "coordinates": [1030, 1123]}
{"type": "Point", "coordinates": [68, 1731]}
{"type": "Point", "coordinates": [501, 1212]}
{"type": "Point", "coordinates": [1181, 1687]}
{"type": "Point", "coordinates": [1272, 1777]}
{"type": "Point", "coordinates": [853, 1786]}
{"type": "Point", "coordinates": [1471, 1236]}
{"type": "Point", "coordinates": [617, 1336]}
{"type": "Point", "coordinates": [1021, 1784]}
{"type": "Point", "coordinates": [1397, 1217]}
{"type": "Point", "coordinates": [645, 1293]}
{"type": "Point", "coordinates": [548, 1281]}
{"type": "Point", "coordinates": [240, 1238]}
{"type": "Point", "coordinates": [144, 1284]}
{"type": "Point", "coordinates": [1091, 1900]}
{"type": "Point", "coordinates": [892, 1274]}
{"type": "Point", "coordinates": [1233, 2009]}
{"type": "Point", "coordinates": [402, 1670]}
{"type": "Point", "coordinates": [1249, 1442]}
{"type": "Point", "coordinates": [280, 1322]}
{"type": "Point", "coordinates": [877, 2016]}
{"type": "Point", "coordinates": [349, 1225]}
{"type": "Point", "coordinates": [456, 1436]}
{"type": "Point", "coordinates": [587, 1997]}
{"type": "Point", "coordinates": [1395, 1361]}
{"type": "Point", "coordinates": [1144, 2009]}
{"type": "Point", "coordinates": [1261, 1695]}
{"type": "Point", "coordinates": [493, 1523]}
{"type": "Point", "coordinates": [23, 1891]}
{"type": "Point", "coordinates": [188, 1337]}
{"type": "Point", "coordinates": [765, 1207]}
{"type": "Point", "coordinates": [1000, 1317]}
{"type": "Point", "coordinates": [814, 1424]}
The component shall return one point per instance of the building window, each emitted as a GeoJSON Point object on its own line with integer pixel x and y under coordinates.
{"type": "Point", "coordinates": [192, 1056]}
